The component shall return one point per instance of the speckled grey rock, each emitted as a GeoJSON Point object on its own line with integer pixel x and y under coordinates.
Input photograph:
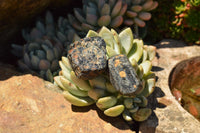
{"type": "Point", "coordinates": [168, 115]}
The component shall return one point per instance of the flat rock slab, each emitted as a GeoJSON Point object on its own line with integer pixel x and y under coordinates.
{"type": "Point", "coordinates": [32, 105]}
{"type": "Point", "coordinates": [169, 116]}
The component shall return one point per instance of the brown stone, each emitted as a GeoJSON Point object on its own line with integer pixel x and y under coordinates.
{"type": "Point", "coordinates": [32, 105]}
{"type": "Point", "coordinates": [169, 116]}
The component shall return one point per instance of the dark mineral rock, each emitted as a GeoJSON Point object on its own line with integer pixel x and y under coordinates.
{"type": "Point", "coordinates": [88, 57]}
{"type": "Point", "coordinates": [123, 76]}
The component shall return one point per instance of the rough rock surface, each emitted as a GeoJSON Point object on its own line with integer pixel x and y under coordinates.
{"type": "Point", "coordinates": [169, 116]}
{"type": "Point", "coordinates": [32, 105]}
{"type": "Point", "coordinates": [29, 104]}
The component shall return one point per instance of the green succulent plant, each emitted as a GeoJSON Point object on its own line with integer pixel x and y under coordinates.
{"type": "Point", "coordinates": [115, 14]}
{"type": "Point", "coordinates": [45, 44]}
{"type": "Point", "coordinates": [100, 90]}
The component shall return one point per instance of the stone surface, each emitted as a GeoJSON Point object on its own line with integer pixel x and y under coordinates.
{"type": "Point", "coordinates": [15, 14]}
{"type": "Point", "coordinates": [32, 105]}
{"type": "Point", "coordinates": [29, 104]}
{"type": "Point", "coordinates": [168, 114]}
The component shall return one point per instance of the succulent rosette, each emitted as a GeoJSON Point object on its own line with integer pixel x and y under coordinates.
{"type": "Point", "coordinates": [45, 44]}
{"type": "Point", "coordinates": [123, 88]}
{"type": "Point", "coordinates": [138, 12]}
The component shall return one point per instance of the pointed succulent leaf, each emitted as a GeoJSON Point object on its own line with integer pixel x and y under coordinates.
{"type": "Point", "coordinates": [112, 3]}
{"type": "Point", "coordinates": [66, 62]}
{"type": "Point", "coordinates": [35, 33]}
{"type": "Point", "coordinates": [149, 87]}
{"type": "Point", "coordinates": [116, 9]}
{"type": "Point", "coordinates": [106, 102]}
{"type": "Point", "coordinates": [117, 43]}
{"type": "Point", "coordinates": [91, 10]}
{"type": "Point", "coordinates": [144, 16]}
{"type": "Point", "coordinates": [105, 10]}
{"type": "Point", "coordinates": [144, 55]}
{"type": "Point", "coordinates": [74, 22]}
{"type": "Point", "coordinates": [146, 67]}
{"type": "Point", "coordinates": [137, 52]}
{"type": "Point", "coordinates": [106, 34]}
{"type": "Point", "coordinates": [86, 27]}
{"type": "Point", "coordinates": [126, 38]}
{"type": "Point", "coordinates": [49, 18]}
{"type": "Point", "coordinates": [92, 33]}
{"type": "Point", "coordinates": [136, 2]}
{"type": "Point", "coordinates": [116, 22]}
{"type": "Point", "coordinates": [79, 14]}
{"type": "Point", "coordinates": [104, 20]}
{"type": "Point", "coordinates": [110, 52]}
{"type": "Point", "coordinates": [40, 26]}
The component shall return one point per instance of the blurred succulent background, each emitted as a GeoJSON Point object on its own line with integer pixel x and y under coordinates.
{"type": "Point", "coordinates": [175, 19]}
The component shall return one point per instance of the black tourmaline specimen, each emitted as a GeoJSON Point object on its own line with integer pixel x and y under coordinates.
{"type": "Point", "coordinates": [88, 57]}
{"type": "Point", "coordinates": [123, 76]}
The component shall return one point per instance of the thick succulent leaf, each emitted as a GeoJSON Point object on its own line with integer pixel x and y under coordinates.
{"type": "Point", "coordinates": [101, 3]}
{"type": "Point", "coordinates": [106, 34]}
{"type": "Point", "coordinates": [116, 9]}
{"type": "Point", "coordinates": [126, 115]}
{"type": "Point", "coordinates": [66, 62]}
{"type": "Point", "coordinates": [72, 88]}
{"type": "Point", "coordinates": [105, 10]}
{"type": "Point", "coordinates": [44, 65]}
{"type": "Point", "coordinates": [49, 75]}
{"type": "Point", "coordinates": [144, 55]}
{"type": "Point", "coordinates": [142, 114]}
{"type": "Point", "coordinates": [33, 46]}
{"type": "Point", "coordinates": [147, 5]}
{"type": "Point", "coordinates": [123, 9]}
{"type": "Point", "coordinates": [54, 65]}
{"type": "Point", "coordinates": [49, 18]}
{"type": "Point", "coordinates": [87, 27]}
{"type": "Point", "coordinates": [77, 101]}
{"type": "Point", "coordinates": [126, 38]}
{"type": "Point", "coordinates": [135, 2]}
{"type": "Point", "coordinates": [151, 51]}
{"type": "Point", "coordinates": [35, 34]}
{"type": "Point", "coordinates": [136, 8]}
{"type": "Point", "coordinates": [74, 22]}
{"type": "Point", "coordinates": [92, 33]}
{"type": "Point", "coordinates": [155, 4]}
{"type": "Point", "coordinates": [106, 102]}
{"type": "Point", "coordinates": [79, 15]}
{"type": "Point", "coordinates": [137, 51]}
{"type": "Point", "coordinates": [112, 3]}
{"type": "Point", "coordinates": [117, 42]}
{"type": "Point", "coordinates": [50, 54]}
{"type": "Point", "coordinates": [139, 22]}
{"type": "Point", "coordinates": [104, 20]}
{"type": "Point", "coordinates": [91, 19]}
{"type": "Point", "coordinates": [144, 16]}
{"type": "Point", "coordinates": [61, 36]}
{"type": "Point", "coordinates": [131, 14]}
{"type": "Point", "coordinates": [146, 67]}
{"type": "Point", "coordinates": [149, 87]}
{"type": "Point", "coordinates": [82, 84]}
{"type": "Point", "coordinates": [91, 10]}
{"type": "Point", "coordinates": [35, 62]}
{"type": "Point", "coordinates": [116, 22]}
{"type": "Point", "coordinates": [66, 72]}
{"type": "Point", "coordinates": [128, 22]}
{"type": "Point", "coordinates": [114, 111]}
{"type": "Point", "coordinates": [110, 52]}
{"type": "Point", "coordinates": [96, 93]}
{"type": "Point", "coordinates": [40, 26]}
